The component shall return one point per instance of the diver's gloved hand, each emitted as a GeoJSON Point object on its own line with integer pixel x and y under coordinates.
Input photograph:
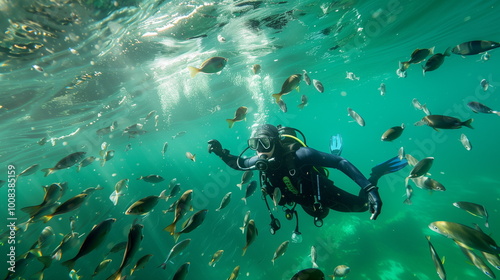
{"type": "Point", "coordinates": [215, 147]}
{"type": "Point", "coordinates": [374, 201]}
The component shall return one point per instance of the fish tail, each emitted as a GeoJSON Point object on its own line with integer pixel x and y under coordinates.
{"type": "Point", "coordinates": [407, 202]}
{"type": "Point", "coordinates": [78, 168]}
{"type": "Point", "coordinates": [230, 122]}
{"type": "Point", "coordinates": [170, 228]}
{"type": "Point", "coordinates": [47, 218]}
{"type": "Point", "coordinates": [242, 230]}
{"type": "Point", "coordinates": [277, 96]}
{"type": "Point", "coordinates": [423, 70]}
{"type": "Point", "coordinates": [48, 171]}
{"type": "Point", "coordinates": [114, 197]}
{"type": "Point", "coordinates": [69, 263]}
{"type": "Point", "coordinates": [301, 106]}
{"type": "Point", "coordinates": [116, 276]}
{"type": "Point", "coordinates": [497, 113]}
{"type": "Point", "coordinates": [163, 266]}
{"type": "Point", "coordinates": [176, 236]}
{"type": "Point", "coordinates": [468, 122]}
{"type": "Point", "coordinates": [244, 250]}
{"type": "Point", "coordinates": [244, 200]}
{"type": "Point", "coordinates": [38, 275]}
{"type": "Point", "coordinates": [163, 196]}
{"type": "Point", "coordinates": [58, 255]}
{"type": "Point", "coordinates": [239, 186]}
{"type": "Point", "coordinates": [315, 265]}
{"type": "Point", "coordinates": [193, 71]}
{"type": "Point", "coordinates": [405, 65]}
{"type": "Point", "coordinates": [447, 52]}
{"type": "Point", "coordinates": [31, 210]}
{"type": "Point", "coordinates": [132, 271]}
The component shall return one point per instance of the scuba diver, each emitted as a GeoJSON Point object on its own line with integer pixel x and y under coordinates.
{"type": "Point", "coordinates": [299, 172]}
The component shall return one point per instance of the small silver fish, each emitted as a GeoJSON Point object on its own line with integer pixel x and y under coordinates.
{"type": "Point", "coordinates": [409, 193]}
{"type": "Point", "coordinates": [485, 56]}
{"type": "Point", "coordinates": [276, 196]}
{"type": "Point", "coordinates": [225, 201]}
{"type": "Point", "coordinates": [484, 84]}
{"type": "Point", "coordinates": [416, 104]}
{"type": "Point", "coordinates": [477, 107]}
{"type": "Point", "coordinates": [314, 256]}
{"type": "Point", "coordinates": [164, 150]}
{"type": "Point", "coordinates": [176, 250]}
{"type": "Point", "coordinates": [280, 251]}
{"type": "Point", "coordinates": [465, 142]}
{"type": "Point", "coordinates": [179, 134]}
{"type": "Point", "coordinates": [246, 219]}
{"type": "Point", "coordinates": [245, 178]}
{"type": "Point", "coordinates": [382, 89]}
{"type": "Point", "coordinates": [401, 153]}
{"type": "Point", "coordinates": [306, 78]}
{"type": "Point", "coordinates": [356, 116]}
{"type": "Point", "coordinates": [351, 76]}
{"type": "Point", "coordinates": [401, 73]}
{"type": "Point", "coordinates": [319, 86]}
{"type": "Point", "coordinates": [282, 105]}
{"type": "Point", "coordinates": [303, 102]}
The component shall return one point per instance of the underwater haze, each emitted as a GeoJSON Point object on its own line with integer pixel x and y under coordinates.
{"type": "Point", "coordinates": [76, 74]}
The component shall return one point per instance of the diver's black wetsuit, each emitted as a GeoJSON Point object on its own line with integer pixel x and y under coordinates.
{"type": "Point", "coordinates": [305, 178]}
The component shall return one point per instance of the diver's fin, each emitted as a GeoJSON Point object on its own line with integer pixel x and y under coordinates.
{"type": "Point", "coordinates": [392, 165]}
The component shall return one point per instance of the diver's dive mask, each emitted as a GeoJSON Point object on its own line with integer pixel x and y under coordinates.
{"type": "Point", "coordinates": [261, 144]}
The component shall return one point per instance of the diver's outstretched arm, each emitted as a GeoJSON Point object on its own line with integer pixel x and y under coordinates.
{"type": "Point", "coordinates": [214, 146]}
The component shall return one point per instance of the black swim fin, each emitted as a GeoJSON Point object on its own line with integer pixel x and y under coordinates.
{"type": "Point", "coordinates": [392, 165]}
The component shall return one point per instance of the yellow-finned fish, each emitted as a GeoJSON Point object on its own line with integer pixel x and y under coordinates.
{"type": "Point", "coordinates": [280, 251]}
{"type": "Point", "coordinates": [466, 236]}
{"type": "Point", "coordinates": [144, 205]}
{"type": "Point", "coordinates": [438, 263]}
{"type": "Point", "coordinates": [133, 242]}
{"type": "Point", "coordinates": [290, 84]}
{"type": "Point", "coordinates": [192, 223]}
{"type": "Point", "coordinates": [209, 66]}
{"type": "Point", "coordinates": [182, 272]}
{"type": "Point", "coordinates": [251, 235]}
{"type": "Point", "coordinates": [235, 273]}
{"type": "Point", "coordinates": [65, 162]}
{"type": "Point", "coordinates": [141, 263]}
{"type": "Point", "coordinates": [182, 205]}
{"type": "Point", "coordinates": [393, 133]}
{"type": "Point", "coordinates": [176, 250]}
{"type": "Point", "coordinates": [473, 209]}
{"type": "Point", "coordinates": [67, 206]}
{"type": "Point", "coordinates": [477, 261]}
{"type": "Point", "coordinates": [239, 115]}
{"type": "Point", "coordinates": [215, 258]}
{"type": "Point", "coordinates": [94, 238]}
{"type": "Point", "coordinates": [417, 56]}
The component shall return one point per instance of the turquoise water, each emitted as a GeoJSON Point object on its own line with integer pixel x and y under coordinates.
{"type": "Point", "coordinates": [107, 62]}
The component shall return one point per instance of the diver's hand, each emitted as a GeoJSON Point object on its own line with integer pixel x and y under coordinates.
{"type": "Point", "coordinates": [374, 201]}
{"type": "Point", "coordinates": [215, 147]}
